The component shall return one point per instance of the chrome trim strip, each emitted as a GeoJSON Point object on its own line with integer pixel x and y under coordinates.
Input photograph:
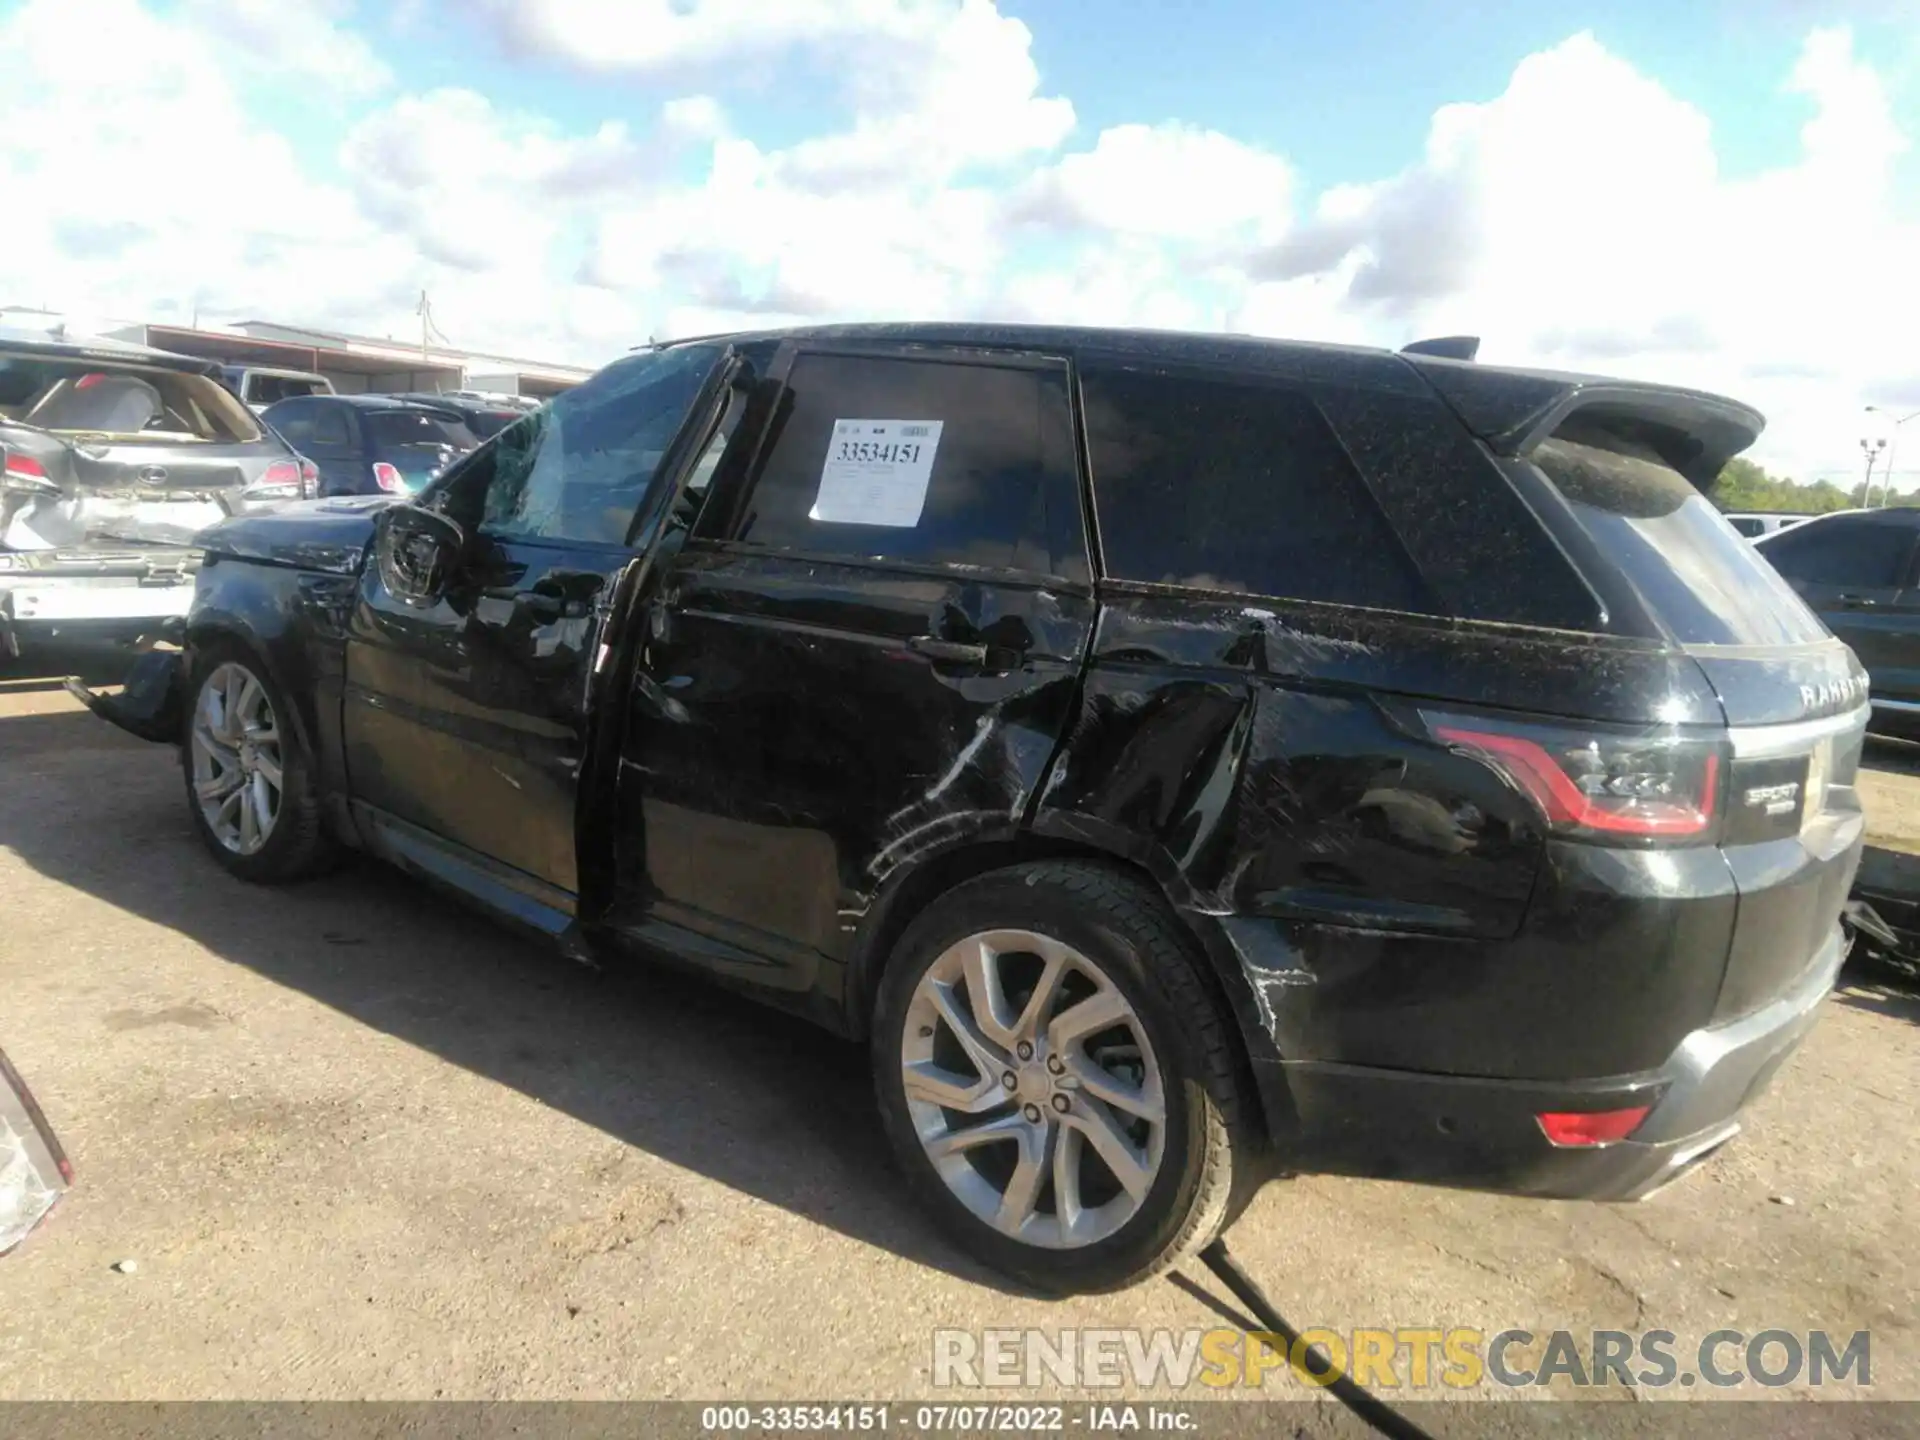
{"type": "Point", "coordinates": [1904, 707]}
{"type": "Point", "coordinates": [1756, 741]}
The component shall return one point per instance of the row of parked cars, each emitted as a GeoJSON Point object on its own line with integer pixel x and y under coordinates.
{"type": "Point", "coordinates": [114, 457]}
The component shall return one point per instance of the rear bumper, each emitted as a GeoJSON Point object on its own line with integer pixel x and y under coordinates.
{"type": "Point", "coordinates": [1482, 1134]}
{"type": "Point", "coordinates": [45, 605]}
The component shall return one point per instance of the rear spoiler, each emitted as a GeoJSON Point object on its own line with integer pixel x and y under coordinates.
{"type": "Point", "coordinates": [1512, 411]}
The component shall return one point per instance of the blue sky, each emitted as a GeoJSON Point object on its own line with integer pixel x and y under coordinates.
{"type": "Point", "coordinates": [568, 176]}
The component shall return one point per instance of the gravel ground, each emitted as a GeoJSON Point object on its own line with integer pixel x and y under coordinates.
{"type": "Point", "coordinates": [361, 1143]}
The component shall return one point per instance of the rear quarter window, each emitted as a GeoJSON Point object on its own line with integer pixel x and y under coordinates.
{"type": "Point", "coordinates": [1700, 580]}
{"type": "Point", "coordinates": [1241, 487]}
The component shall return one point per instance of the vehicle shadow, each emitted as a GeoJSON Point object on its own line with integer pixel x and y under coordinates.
{"type": "Point", "coordinates": [707, 1080]}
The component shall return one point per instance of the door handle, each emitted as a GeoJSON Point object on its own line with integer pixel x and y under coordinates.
{"type": "Point", "coordinates": [1859, 602]}
{"type": "Point", "coordinates": [958, 652]}
{"type": "Point", "coordinates": [539, 604]}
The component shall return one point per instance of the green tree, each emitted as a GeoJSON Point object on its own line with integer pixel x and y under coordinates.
{"type": "Point", "coordinates": [1744, 485]}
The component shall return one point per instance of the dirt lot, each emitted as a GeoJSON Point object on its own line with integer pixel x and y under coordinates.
{"type": "Point", "coordinates": [361, 1143]}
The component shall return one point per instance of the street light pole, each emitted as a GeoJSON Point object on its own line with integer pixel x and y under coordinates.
{"type": "Point", "coordinates": [1871, 449]}
{"type": "Point", "coordinates": [1892, 447]}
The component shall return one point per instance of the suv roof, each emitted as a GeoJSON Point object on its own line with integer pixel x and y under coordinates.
{"type": "Point", "coordinates": [1511, 408]}
{"type": "Point", "coordinates": [98, 349]}
{"type": "Point", "coordinates": [384, 402]}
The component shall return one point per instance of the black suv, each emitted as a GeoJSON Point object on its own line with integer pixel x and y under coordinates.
{"type": "Point", "coordinates": [1181, 758]}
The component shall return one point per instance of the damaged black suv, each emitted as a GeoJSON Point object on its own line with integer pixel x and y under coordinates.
{"type": "Point", "coordinates": [1182, 759]}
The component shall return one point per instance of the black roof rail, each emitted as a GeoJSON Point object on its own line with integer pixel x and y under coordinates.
{"type": "Point", "coordinates": [1447, 347]}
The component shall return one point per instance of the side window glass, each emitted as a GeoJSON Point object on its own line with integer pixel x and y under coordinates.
{"type": "Point", "coordinates": [332, 426]}
{"type": "Point", "coordinates": [1235, 487]}
{"type": "Point", "coordinates": [295, 424]}
{"type": "Point", "coordinates": [922, 461]}
{"type": "Point", "coordinates": [576, 469]}
{"type": "Point", "coordinates": [1869, 557]}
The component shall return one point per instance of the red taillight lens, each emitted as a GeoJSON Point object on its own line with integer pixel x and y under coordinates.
{"type": "Point", "coordinates": [1599, 785]}
{"type": "Point", "coordinates": [25, 465]}
{"type": "Point", "coordinates": [1591, 1127]}
{"type": "Point", "coordinates": [388, 478]}
{"type": "Point", "coordinates": [279, 481]}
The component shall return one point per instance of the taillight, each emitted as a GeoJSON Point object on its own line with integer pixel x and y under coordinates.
{"type": "Point", "coordinates": [23, 472]}
{"type": "Point", "coordinates": [309, 480]}
{"type": "Point", "coordinates": [279, 481]}
{"type": "Point", "coordinates": [1597, 784]}
{"type": "Point", "coordinates": [388, 478]}
{"type": "Point", "coordinates": [1591, 1127]}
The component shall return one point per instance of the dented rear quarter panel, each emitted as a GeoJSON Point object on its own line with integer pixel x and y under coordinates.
{"type": "Point", "coordinates": [1359, 883]}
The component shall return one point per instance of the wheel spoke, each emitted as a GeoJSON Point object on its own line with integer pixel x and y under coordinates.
{"type": "Point", "coordinates": [267, 767]}
{"type": "Point", "coordinates": [937, 1085]}
{"type": "Point", "coordinates": [1095, 1013]}
{"type": "Point", "coordinates": [218, 787]}
{"type": "Point", "coordinates": [1097, 1081]}
{"type": "Point", "coordinates": [988, 1061]}
{"type": "Point", "coordinates": [1027, 1027]}
{"type": "Point", "coordinates": [249, 819]}
{"type": "Point", "coordinates": [988, 1132]}
{"type": "Point", "coordinates": [230, 705]}
{"type": "Point", "coordinates": [1116, 1152]}
{"type": "Point", "coordinates": [986, 994]}
{"type": "Point", "coordinates": [230, 807]}
{"type": "Point", "coordinates": [1029, 1176]}
{"type": "Point", "coordinates": [1066, 1180]}
{"type": "Point", "coordinates": [249, 697]}
{"type": "Point", "coordinates": [262, 806]}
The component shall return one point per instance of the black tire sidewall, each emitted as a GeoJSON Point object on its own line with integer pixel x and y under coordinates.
{"type": "Point", "coordinates": [1013, 900]}
{"type": "Point", "coordinates": [285, 849]}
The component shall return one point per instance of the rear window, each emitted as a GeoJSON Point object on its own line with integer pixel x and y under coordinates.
{"type": "Point", "coordinates": [1237, 487]}
{"type": "Point", "coordinates": [1699, 579]}
{"type": "Point", "coordinates": [401, 429]}
{"type": "Point", "coordinates": [154, 405]}
{"type": "Point", "coordinates": [266, 389]}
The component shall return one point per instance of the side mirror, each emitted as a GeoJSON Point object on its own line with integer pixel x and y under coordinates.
{"type": "Point", "coordinates": [418, 552]}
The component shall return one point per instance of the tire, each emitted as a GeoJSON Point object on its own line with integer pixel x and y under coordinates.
{"type": "Point", "coordinates": [1174, 1034]}
{"type": "Point", "coordinates": [295, 844]}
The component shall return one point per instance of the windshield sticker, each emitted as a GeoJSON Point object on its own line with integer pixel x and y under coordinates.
{"type": "Point", "coordinates": [876, 472]}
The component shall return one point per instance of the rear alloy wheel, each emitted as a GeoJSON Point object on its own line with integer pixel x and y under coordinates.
{"type": "Point", "coordinates": [238, 778]}
{"type": "Point", "coordinates": [250, 786]}
{"type": "Point", "coordinates": [1056, 1079]}
{"type": "Point", "coordinates": [1033, 1088]}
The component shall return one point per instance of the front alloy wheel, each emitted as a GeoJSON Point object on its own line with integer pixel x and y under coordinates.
{"type": "Point", "coordinates": [238, 780]}
{"type": "Point", "coordinates": [1033, 1088]}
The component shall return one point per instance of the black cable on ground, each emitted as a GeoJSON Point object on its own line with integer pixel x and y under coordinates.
{"type": "Point", "coordinates": [1357, 1398]}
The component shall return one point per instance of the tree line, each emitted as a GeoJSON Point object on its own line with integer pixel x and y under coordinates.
{"type": "Point", "coordinates": [1744, 485]}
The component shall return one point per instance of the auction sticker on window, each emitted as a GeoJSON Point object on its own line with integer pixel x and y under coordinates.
{"type": "Point", "coordinates": [876, 472]}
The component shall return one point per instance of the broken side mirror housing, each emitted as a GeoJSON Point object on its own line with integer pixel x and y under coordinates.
{"type": "Point", "coordinates": [34, 1171]}
{"type": "Point", "coordinates": [418, 551]}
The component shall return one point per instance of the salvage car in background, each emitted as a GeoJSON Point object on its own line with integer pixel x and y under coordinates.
{"type": "Point", "coordinates": [113, 457]}
{"type": "Point", "coordinates": [372, 444]}
{"type": "Point", "coordinates": [260, 385]}
{"type": "Point", "coordinates": [1860, 571]}
{"type": "Point", "coordinates": [485, 415]}
{"type": "Point", "coordinates": [1418, 779]}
